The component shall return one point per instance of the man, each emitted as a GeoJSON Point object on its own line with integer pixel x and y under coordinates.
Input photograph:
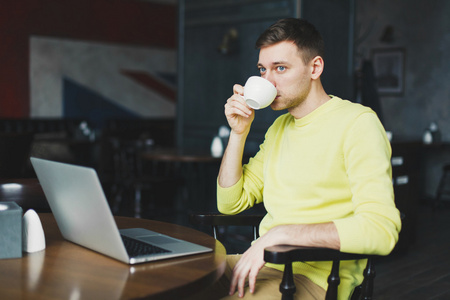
{"type": "Point", "coordinates": [323, 172]}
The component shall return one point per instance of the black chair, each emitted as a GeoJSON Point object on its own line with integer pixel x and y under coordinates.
{"type": "Point", "coordinates": [129, 179]}
{"type": "Point", "coordinates": [15, 151]}
{"type": "Point", "coordinates": [283, 254]}
{"type": "Point", "coordinates": [443, 190]}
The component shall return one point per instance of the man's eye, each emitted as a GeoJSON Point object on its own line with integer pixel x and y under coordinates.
{"type": "Point", "coordinates": [281, 68]}
{"type": "Point", "coordinates": [262, 70]}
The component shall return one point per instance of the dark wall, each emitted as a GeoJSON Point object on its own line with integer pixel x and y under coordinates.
{"type": "Point", "coordinates": [335, 21]}
{"type": "Point", "coordinates": [422, 30]}
{"type": "Point", "coordinates": [207, 76]}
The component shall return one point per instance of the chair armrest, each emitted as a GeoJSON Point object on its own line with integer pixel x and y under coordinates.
{"type": "Point", "coordinates": [282, 254]}
{"type": "Point", "coordinates": [217, 219]}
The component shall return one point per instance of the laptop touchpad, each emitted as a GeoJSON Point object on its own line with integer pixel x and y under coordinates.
{"type": "Point", "coordinates": [158, 240]}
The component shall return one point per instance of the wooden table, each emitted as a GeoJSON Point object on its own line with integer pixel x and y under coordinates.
{"type": "Point", "coordinates": [67, 271]}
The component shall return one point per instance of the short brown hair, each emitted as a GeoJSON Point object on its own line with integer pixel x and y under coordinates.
{"type": "Point", "coordinates": [301, 32]}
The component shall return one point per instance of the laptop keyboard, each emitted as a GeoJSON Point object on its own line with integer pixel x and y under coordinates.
{"type": "Point", "coordinates": [138, 248]}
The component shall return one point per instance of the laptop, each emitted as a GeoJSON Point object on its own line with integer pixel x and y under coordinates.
{"type": "Point", "coordinates": [84, 217]}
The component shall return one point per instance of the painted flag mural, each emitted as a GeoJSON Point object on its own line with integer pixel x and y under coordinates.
{"type": "Point", "coordinates": [93, 59]}
{"type": "Point", "coordinates": [100, 81]}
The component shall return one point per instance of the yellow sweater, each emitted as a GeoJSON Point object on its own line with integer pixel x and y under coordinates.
{"type": "Point", "coordinates": [331, 165]}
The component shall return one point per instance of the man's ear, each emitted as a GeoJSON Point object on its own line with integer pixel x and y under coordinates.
{"type": "Point", "coordinates": [317, 65]}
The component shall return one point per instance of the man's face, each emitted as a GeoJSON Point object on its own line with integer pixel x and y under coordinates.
{"type": "Point", "coordinates": [282, 65]}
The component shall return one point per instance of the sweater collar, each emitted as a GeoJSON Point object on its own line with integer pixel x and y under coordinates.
{"type": "Point", "coordinates": [317, 112]}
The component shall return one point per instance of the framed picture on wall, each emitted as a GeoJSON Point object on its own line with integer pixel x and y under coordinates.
{"type": "Point", "coordinates": [389, 65]}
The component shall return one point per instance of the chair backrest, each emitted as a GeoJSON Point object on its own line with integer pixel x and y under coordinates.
{"type": "Point", "coordinates": [215, 220]}
{"type": "Point", "coordinates": [15, 151]}
{"type": "Point", "coordinates": [443, 191]}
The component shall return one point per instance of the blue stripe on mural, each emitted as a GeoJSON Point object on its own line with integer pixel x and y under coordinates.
{"type": "Point", "coordinates": [82, 102]}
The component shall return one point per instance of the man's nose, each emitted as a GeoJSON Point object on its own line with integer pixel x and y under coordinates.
{"type": "Point", "coordinates": [270, 78]}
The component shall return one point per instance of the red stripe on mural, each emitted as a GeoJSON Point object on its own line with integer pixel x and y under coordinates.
{"type": "Point", "coordinates": [150, 82]}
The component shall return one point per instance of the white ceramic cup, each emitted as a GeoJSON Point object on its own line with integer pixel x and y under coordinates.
{"type": "Point", "coordinates": [259, 92]}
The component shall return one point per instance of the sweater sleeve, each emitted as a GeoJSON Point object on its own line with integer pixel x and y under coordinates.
{"type": "Point", "coordinates": [374, 226]}
{"type": "Point", "coordinates": [247, 192]}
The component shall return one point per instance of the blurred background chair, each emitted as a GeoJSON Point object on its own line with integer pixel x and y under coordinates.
{"type": "Point", "coordinates": [131, 177]}
{"type": "Point", "coordinates": [15, 151]}
{"type": "Point", "coordinates": [443, 190]}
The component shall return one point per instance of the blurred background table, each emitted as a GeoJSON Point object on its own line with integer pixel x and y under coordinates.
{"type": "Point", "coordinates": [188, 178]}
{"type": "Point", "coordinates": [178, 155]}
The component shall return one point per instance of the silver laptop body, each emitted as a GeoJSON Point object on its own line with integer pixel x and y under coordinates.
{"type": "Point", "coordinates": [84, 217]}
